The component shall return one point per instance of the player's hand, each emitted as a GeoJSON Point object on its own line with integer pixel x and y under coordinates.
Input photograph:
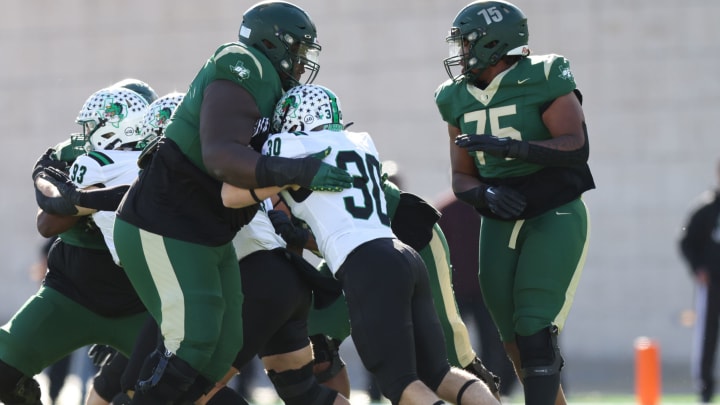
{"type": "Point", "coordinates": [505, 202]}
{"type": "Point", "coordinates": [322, 154]}
{"type": "Point", "coordinates": [492, 145]}
{"type": "Point", "coordinates": [47, 160]}
{"type": "Point", "coordinates": [326, 177]}
{"type": "Point", "coordinates": [291, 232]}
{"type": "Point", "coordinates": [64, 185]}
{"type": "Point", "coordinates": [101, 354]}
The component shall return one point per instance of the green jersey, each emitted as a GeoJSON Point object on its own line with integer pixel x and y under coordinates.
{"type": "Point", "coordinates": [237, 63]}
{"type": "Point", "coordinates": [175, 196]}
{"type": "Point", "coordinates": [510, 106]}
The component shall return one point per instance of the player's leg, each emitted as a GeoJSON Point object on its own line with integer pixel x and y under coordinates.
{"type": "Point", "coordinates": [436, 256]}
{"type": "Point", "coordinates": [328, 328]}
{"type": "Point", "coordinates": [546, 281]}
{"type": "Point", "coordinates": [287, 354]}
{"type": "Point", "coordinates": [450, 383]}
{"type": "Point", "coordinates": [710, 342]}
{"type": "Point", "coordinates": [377, 279]}
{"type": "Point", "coordinates": [200, 287]}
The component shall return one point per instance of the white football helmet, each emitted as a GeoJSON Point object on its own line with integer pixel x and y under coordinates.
{"type": "Point", "coordinates": [110, 118]}
{"type": "Point", "coordinates": [308, 107]}
{"type": "Point", "coordinates": [157, 116]}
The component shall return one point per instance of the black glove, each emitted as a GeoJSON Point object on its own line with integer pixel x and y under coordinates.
{"type": "Point", "coordinates": [56, 205]}
{"type": "Point", "coordinates": [492, 145]}
{"type": "Point", "coordinates": [101, 354]}
{"type": "Point", "coordinates": [289, 229]}
{"type": "Point", "coordinates": [505, 202]}
{"type": "Point", "coordinates": [64, 185]}
{"type": "Point", "coordinates": [47, 160]}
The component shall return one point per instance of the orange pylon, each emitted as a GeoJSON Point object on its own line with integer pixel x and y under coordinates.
{"type": "Point", "coordinates": [647, 371]}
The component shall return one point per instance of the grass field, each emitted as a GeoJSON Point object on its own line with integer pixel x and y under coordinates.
{"type": "Point", "coordinates": [265, 396]}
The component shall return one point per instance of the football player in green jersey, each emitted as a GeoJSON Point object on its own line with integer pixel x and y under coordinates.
{"type": "Point", "coordinates": [172, 232]}
{"type": "Point", "coordinates": [519, 150]}
{"type": "Point", "coordinates": [85, 297]}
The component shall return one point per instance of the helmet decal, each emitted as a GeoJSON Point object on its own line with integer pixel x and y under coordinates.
{"type": "Point", "coordinates": [114, 112]}
{"type": "Point", "coordinates": [308, 107]}
{"type": "Point", "coordinates": [157, 117]}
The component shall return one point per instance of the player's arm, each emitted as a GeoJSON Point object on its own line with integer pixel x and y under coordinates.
{"type": "Point", "coordinates": [464, 173]}
{"type": "Point", "coordinates": [467, 186]}
{"type": "Point", "coordinates": [568, 145]}
{"type": "Point", "coordinates": [227, 122]}
{"type": "Point", "coordinates": [57, 194]}
{"type": "Point", "coordinates": [49, 225]}
{"type": "Point", "coordinates": [235, 197]}
{"type": "Point", "coordinates": [310, 242]}
{"type": "Point", "coordinates": [227, 119]}
{"type": "Point", "coordinates": [565, 120]}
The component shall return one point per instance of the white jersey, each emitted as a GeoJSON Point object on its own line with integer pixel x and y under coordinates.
{"type": "Point", "coordinates": [109, 168]}
{"type": "Point", "coordinates": [259, 234]}
{"type": "Point", "coordinates": [340, 221]}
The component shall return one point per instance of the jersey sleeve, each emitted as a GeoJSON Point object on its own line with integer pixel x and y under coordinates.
{"type": "Point", "coordinates": [251, 70]}
{"type": "Point", "coordinates": [558, 75]}
{"type": "Point", "coordinates": [93, 169]}
{"type": "Point", "coordinates": [444, 96]}
{"type": "Point", "coordinates": [294, 145]}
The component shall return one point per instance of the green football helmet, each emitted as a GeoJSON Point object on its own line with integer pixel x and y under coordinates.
{"type": "Point", "coordinates": [482, 33]}
{"type": "Point", "coordinates": [139, 87]}
{"type": "Point", "coordinates": [285, 34]}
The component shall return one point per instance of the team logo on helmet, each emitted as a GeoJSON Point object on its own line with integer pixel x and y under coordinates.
{"type": "Point", "coordinates": [161, 117]}
{"type": "Point", "coordinates": [113, 111]}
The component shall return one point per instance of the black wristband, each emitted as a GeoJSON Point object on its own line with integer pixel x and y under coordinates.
{"type": "Point", "coordinates": [533, 153]}
{"type": "Point", "coordinates": [280, 171]}
{"type": "Point", "coordinates": [474, 196]}
{"type": "Point", "coordinates": [105, 199]}
{"type": "Point", "coordinates": [254, 196]}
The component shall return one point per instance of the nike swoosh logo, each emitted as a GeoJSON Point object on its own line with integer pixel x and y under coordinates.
{"type": "Point", "coordinates": [562, 213]}
{"type": "Point", "coordinates": [523, 81]}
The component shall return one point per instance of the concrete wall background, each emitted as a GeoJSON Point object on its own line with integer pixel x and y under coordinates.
{"type": "Point", "coordinates": [647, 68]}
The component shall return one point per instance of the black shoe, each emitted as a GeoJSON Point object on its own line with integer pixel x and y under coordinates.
{"type": "Point", "coordinates": [706, 392]}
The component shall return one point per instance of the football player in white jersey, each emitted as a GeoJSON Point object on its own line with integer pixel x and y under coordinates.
{"type": "Point", "coordinates": [276, 328]}
{"type": "Point", "coordinates": [394, 324]}
{"type": "Point", "coordinates": [85, 297]}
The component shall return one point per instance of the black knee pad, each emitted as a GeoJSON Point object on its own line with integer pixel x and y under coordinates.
{"type": "Point", "coordinates": [17, 388]}
{"type": "Point", "coordinates": [198, 388]}
{"type": "Point", "coordinates": [164, 379]}
{"type": "Point", "coordinates": [327, 349]}
{"type": "Point", "coordinates": [300, 387]}
{"type": "Point", "coordinates": [539, 353]}
{"type": "Point", "coordinates": [478, 369]}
